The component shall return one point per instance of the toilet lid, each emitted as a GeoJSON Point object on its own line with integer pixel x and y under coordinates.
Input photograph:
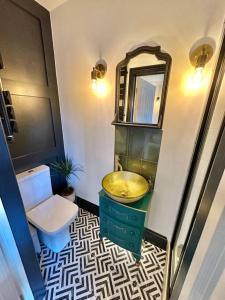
{"type": "Point", "coordinates": [53, 214]}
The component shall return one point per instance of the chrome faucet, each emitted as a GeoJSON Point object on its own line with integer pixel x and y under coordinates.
{"type": "Point", "coordinates": [151, 182]}
{"type": "Point", "coordinates": [118, 166]}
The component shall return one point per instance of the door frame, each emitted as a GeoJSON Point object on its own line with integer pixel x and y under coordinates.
{"type": "Point", "coordinates": [203, 205]}
{"type": "Point", "coordinates": [208, 191]}
{"type": "Point", "coordinates": [7, 284]}
{"type": "Point", "coordinates": [15, 212]}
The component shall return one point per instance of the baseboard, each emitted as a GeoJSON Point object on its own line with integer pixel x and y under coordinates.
{"type": "Point", "coordinates": [166, 276]}
{"type": "Point", "coordinates": [155, 238]}
{"type": "Point", "coordinates": [91, 207]}
{"type": "Point", "coordinates": [149, 235]}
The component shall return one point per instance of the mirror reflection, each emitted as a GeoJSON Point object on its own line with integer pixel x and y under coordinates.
{"type": "Point", "coordinates": [148, 91]}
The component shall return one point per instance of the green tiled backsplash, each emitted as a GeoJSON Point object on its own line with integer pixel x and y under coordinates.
{"type": "Point", "coordinates": [138, 149]}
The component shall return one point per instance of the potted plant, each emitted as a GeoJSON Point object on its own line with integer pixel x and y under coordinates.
{"type": "Point", "coordinates": [67, 169]}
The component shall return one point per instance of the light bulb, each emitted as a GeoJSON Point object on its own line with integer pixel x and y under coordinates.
{"type": "Point", "coordinates": [101, 87]}
{"type": "Point", "coordinates": [195, 81]}
{"type": "Point", "coordinates": [94, 84]}
{"type": "Point", "coordinates": [198, 75]}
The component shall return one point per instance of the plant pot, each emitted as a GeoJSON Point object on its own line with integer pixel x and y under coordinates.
{"type": "Point", "coordinates": [69, 194]}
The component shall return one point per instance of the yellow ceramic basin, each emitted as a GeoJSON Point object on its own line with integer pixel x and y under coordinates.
{"type": "Point", "coordinates": [124, 186]}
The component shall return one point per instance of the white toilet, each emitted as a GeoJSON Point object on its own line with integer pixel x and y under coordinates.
{"type": "Point", "coordinates": [50, 214]}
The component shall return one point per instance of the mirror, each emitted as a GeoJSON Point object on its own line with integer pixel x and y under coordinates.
{"type": "Point", "coordinates": [141, 86]}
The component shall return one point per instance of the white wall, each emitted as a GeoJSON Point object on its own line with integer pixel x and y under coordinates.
{"type": "Point", "coordinates": [83, 30]}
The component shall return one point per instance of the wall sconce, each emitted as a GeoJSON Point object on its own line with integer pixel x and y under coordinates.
{"type": "Point", "coordinates": [199, 58]}
{"type": "Point", "coordinates": [97, 74]}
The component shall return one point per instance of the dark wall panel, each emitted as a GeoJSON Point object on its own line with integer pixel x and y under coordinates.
{"type": "Point", "coordinates": [35, 122]}
{"type": "Point", "coordinates": [29, 75]}
{"type": "Point", "coordinates": [22, 31]}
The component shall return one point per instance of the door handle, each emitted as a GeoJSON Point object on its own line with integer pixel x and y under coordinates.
{"type": "Point", "coordinates": [5, 118]}
{"type": "Point", "coordinates": [7, 115]}
{"type": "Point", "coordinates": [10, 111]}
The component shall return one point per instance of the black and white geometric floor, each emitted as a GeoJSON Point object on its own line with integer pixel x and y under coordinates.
{"type": "Point", "coordinates": [89, 269]}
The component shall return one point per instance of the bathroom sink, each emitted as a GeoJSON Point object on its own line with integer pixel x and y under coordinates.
{"type": "Point", "coordinates": [124, 186]}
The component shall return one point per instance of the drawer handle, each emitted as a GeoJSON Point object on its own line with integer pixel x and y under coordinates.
{"type": "Point", "coordinates": [133, 218]}
{"type": "Point", "coordinates": [119, 228]}
{"type": "Point", "coordinates": [118, 212]}
{"type": "Point", "coordinates": [106, 206]}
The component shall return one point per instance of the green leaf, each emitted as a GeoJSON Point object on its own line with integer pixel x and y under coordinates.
{"type": "Point", "coordinates": [67, 168]}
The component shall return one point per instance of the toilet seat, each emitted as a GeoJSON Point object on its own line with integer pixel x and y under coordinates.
{"type": "Point", "coordinates": [53, 214]}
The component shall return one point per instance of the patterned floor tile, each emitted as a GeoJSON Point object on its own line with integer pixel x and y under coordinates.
{"type": "Point", "coordinates": [87, 269]}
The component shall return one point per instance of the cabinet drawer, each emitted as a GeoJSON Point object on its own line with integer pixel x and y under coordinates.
{"type": "Point", "coordinates": [122, 212]}
{"type": "Point", "coordinates": [120, 234]}
{"type": "Point", "coordinates": [128, 245]}
{"type": "Point", "coordinates": [120, 229]}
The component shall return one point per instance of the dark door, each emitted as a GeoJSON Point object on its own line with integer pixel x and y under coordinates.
{"type": "Point", "coordinates": [29, 75]}
{"type": "Point", "coordinates": [14, 210]}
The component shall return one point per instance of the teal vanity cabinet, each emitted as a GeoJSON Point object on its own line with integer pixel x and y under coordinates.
{"type": "Point", "coordinates": [123, 224]}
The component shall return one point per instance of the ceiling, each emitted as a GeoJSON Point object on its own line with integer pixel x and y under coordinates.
{"type": "Point", "coordinates": [50, 4]}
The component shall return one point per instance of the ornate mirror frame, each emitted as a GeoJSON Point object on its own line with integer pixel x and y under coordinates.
{"type": "Point", "coordinates": [163, 56]}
